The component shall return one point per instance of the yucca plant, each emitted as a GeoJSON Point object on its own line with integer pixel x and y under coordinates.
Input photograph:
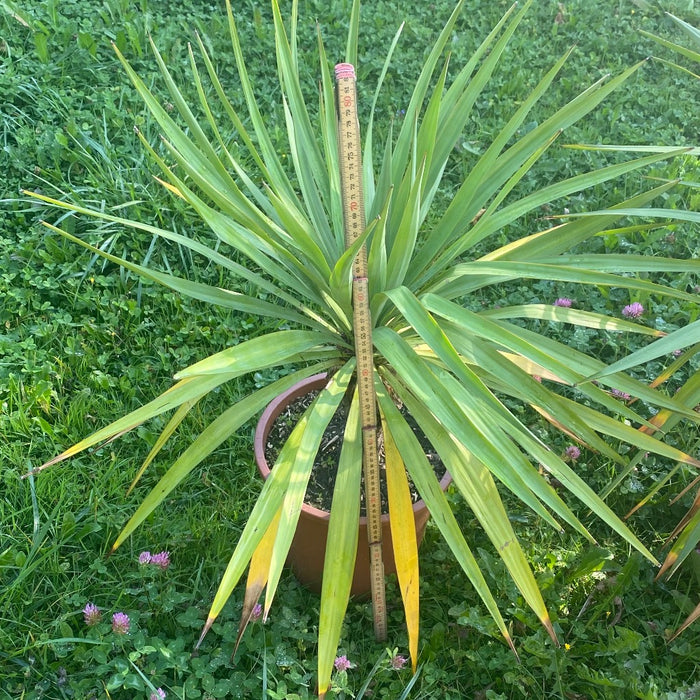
{"type": "Point", "coordinates": [455, 367]}
{"type": "Point", "coordinates": [684, 539]}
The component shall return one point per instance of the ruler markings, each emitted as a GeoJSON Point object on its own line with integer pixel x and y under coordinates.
{"type": "Point", "coordinates": [350, 160]}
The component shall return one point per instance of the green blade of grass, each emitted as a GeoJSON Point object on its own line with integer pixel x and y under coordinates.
{"type": "Point", "coordinates": [329, 140]}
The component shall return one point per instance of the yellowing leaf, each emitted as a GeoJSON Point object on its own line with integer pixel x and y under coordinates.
{"type": "Point", "coordinates": [257, 576]}
{"type": "Point", "coordinates": [403, 536]}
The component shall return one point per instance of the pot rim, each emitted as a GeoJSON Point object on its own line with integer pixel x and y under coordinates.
{"type": "Point", "coordinates": [267, 419]}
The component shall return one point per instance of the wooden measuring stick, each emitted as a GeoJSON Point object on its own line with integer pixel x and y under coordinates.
{"type": "Point", "coordinates": [350, 160]}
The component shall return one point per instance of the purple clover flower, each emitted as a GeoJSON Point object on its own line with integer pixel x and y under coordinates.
{"type": "Point", "coordinates": [120, 623]}
{"type": "Point", "coordinates": [341, 663]}
{"type": "Point", "coordinates": [91, 614]}
{"type": "Point", "coordinates": [398, 662]}
{"type": "Point", "coordinates": [144, 558]}
{"type": "Point", "coordinates": [256, 613]}
{"type": "Point", "coordinates": [563, 301]}
{"type": "Point", "coordinates": [159, 694]}
{"type": "Point", "coordinates": [572, 453]}
{"type": "Point", "coordinates": [161, 560]}
{"type": "Point", "coordinates": [620, 394]}
{"type": "Point", "coordinates": [634, 310]}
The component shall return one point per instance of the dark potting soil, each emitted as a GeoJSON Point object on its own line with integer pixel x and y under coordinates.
{"type": "Point", "coordinates": [319, 492]}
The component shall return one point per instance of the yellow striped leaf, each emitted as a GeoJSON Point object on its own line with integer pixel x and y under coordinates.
{"type": "Point", "coordinates": [403, 537]}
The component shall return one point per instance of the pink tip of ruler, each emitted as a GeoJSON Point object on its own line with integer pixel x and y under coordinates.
{"type": "Point", "coordinates": [344, 70]}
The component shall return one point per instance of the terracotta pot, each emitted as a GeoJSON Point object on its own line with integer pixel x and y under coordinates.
{"type": "Point", "coordinates": [307, 552]}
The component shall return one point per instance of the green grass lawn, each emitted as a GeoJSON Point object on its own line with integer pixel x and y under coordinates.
{"type": "Point", "coordinates": [83, 342]}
